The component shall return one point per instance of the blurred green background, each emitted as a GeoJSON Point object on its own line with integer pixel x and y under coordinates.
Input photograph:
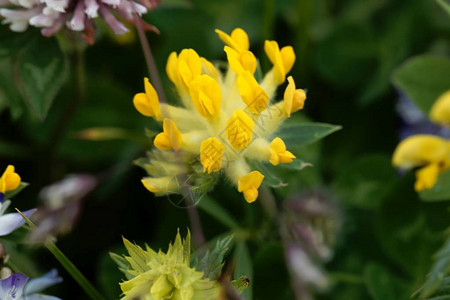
{"type": "Point", "coordinates": [346, 54]}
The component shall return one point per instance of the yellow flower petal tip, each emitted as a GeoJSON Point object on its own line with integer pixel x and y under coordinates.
{"type": "Point", "coordinates": [238, 40]}
{"type": "Point", "coordinates": [10, 180]}
{"type": "Point", "coordinates": [206, 95]}
{"type": "Point", "coordinates": [282, 60]}
{"type": "Point", "coordinates": [294, 99]}
{"type": "Point", "coordinates": [419, 150]}
{"type": "Point", "coordinates": [211, 153]}
{"type": "Point", "coordinates": [170, 138]}
{"type": "Point", "coordinates": [279, 154]}
{"type": "Point", "coordinates": [148, 103]}
{"type": "Point", "coordinates": [249, 184]}
{"type": "Point", "coordinates": [252, 94]}
{"type": "Point", "coordinates": [239, 130]}
{"type": "Point", "coordinates": [440, 111]}
{"type": "Point", "coordinates": [426, 177]}
{"type": "Point", "coordinates": [241, 61]}
{"type": "Point", "coordinates": [182, 69]}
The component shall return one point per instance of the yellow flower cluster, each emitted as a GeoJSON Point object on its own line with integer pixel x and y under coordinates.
{"type": "Point", "coordinates": [430, 153]}
{"type": "Point", "coordinates": [226, 118]}
{"type": "Point", "coordinates": [165, 276]}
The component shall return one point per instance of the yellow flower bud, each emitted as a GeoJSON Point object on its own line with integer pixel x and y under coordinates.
{"type": "Point", "coordinates": [238, 39]}
{"type": "Point", "coordinates": [440, 111]}
{"type": "Point", "coordinates": [239, 130]}
{"type": "Point", "coordinates": [206, 95]}
{"type": "Point", "coordinates": [294, 99]}
{"type": "Point", "coordinates": [249, 184]}
{"type": "Point", "coordinates": [211, 153]}
{"type": "Point", "coordinates": [148, 103]}
{"type": "Point", "coordinates": [240, 62]}
{"type": "Point", "coordinates": [419, 150]}
{"type": "Point", "coordinates": [184, 68]}
{"type": "Point", "coordinates": [10, 180]}
{"type": "Point", "coordinates": [282, 60]}
{"type": "Point", "coordinates": [279, 154]}
{"type": "Point", "coordinates": [426, 177]}
{"type": "Point", "coordinates": [161, 185]}
{"type": "Point", "coordinates": [170, 138]}
{"type": "Point", "coordinates": [252, 94]}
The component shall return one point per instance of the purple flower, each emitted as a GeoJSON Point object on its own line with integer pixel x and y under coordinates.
{"type": "Point", "coordinates": [76, 15]}
{"type": "Point", "coordinates": [17, 286]}
{"type": "Point", "coordinates": [414, 121]}
{"type": "Point", "coordinates": [12, 221]}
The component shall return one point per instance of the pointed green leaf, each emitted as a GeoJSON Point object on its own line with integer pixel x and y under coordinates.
{"type": "Point", "coordinates": [300, 134]}
{"type": "Point", "coordinates": [212, 262]}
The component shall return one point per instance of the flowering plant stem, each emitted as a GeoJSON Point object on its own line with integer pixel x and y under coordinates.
{"type": "Point", "coordinates": [67, 264]}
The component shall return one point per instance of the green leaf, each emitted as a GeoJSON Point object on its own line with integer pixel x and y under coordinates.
{"type": "Point", "coordinates": [212, 262]}
{"type": "Point", "coordinates": [22, 185]}
{"type": "Point", "coordinates": [40, 77]}
{"type": "Point", "coordinates": [244, 266]}
{"type": "Point", "coordinates": [437, 282]}
{"type": "Point", "coordinates": [379, 282]}
{"type": "Point", "coordinates": [300, 134]}
{"type": "Point", "coordinates": [423, 79]}
{"type": "Point", "coordinates": [444, 5]}
{"type": "Point", "coordinates": [441, 190]}
{"type": "Point", "coordinates": [296, 164]}
{"type": "Point", "coordinates": [213, 208]}
{"type": "Point", "coordinates": [270, 178]}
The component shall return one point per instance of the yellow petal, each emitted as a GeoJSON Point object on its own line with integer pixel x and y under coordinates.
{"type": "Point", "coordinates": [211, 153]}
{"type": "Point", "coordinates": [170, 138]}
{"type": "Point", "coordinates": [252, 94]}
{"type": "Point", "coordinates": [294, 99]}
{"type": "Point", "coordinates": [9, 180]}
{"type": "Point", "coordinates": [240, 62]}
{"type": "Point", "coordinates": [419, 150]}
{"type": "Point", "coordinates": [249, 184]}
{"type": "Point", "coordinates": [208, 68]}
{"type": "Point", "coordinates": [279, 153]}
{"type": "Point", "coordinates": [288, 58]}
{"type": "Point", "coordinates": [148, 104]}
{"type": "Point", "coordinates": [440, 111]}
{"type": "Point", "coordinates": [206, 95]}
{"type": "Point", "coordinates": [426, 177]}
{"type": "Point", "coordinates": [238, 39]}
{"type": "Point", "coordinates": [239, 130]}
{"type": "Point", "coordinates": [282, 60]}
{"type": "Point", "coordinates": [171, 67]}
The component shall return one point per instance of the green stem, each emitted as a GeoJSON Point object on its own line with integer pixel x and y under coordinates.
{"type": "Point", "coordinates": [68, 265]}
